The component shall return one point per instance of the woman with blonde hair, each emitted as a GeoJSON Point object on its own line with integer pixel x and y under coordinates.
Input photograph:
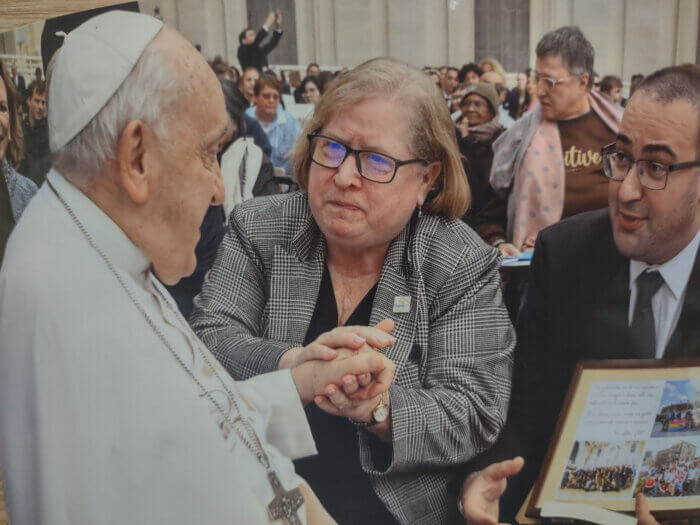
{"type": "Point", "coordinates": [371, 244]}
{"type": "Point", "coordinates": [15, 190]}
{"type": "Point", "coordinates": [491, 64]}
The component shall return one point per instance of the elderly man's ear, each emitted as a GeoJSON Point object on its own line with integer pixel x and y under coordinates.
{"type": "Point", "coordinates": [135, 159]}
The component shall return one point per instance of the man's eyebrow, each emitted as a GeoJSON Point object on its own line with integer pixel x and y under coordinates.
{"type": "Point", "coordinates": [660, 148]}
{"type": "Point", "coordinates": [621, 137]}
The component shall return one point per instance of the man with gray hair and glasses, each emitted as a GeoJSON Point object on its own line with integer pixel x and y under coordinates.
{"type": "Point", "coordinates": [618, 283]}
{"type": "Point", "coordinates": [548, 165]}
{"type": "Point", "coordinates": [111, 409]}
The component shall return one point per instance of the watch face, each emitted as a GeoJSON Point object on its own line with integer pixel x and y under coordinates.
{"type": "Point", "coordinates": [381, 413]}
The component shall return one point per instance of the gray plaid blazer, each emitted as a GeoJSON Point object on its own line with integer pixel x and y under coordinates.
{"type": "Point", "coordinates": [453, 351]}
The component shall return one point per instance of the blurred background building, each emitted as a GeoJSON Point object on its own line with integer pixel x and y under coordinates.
{"type": "Point", "coordinates": [630, 36]}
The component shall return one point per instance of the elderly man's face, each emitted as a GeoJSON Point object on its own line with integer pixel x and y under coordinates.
{"type": "Point", "coordinates": [654, 225]}
{"type": "Point", "coordinates": [187, 178]}
{"type": "Point", "coordinates": [567, 98]}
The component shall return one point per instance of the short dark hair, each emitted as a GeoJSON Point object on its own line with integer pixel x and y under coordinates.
{"type": "Point", "coordinates": [267, 81]}
{"type": "Point", "coordinates": [466, 68]}
{"type": "Point", "coordinates": [451, 68]}
{"type": "Point", "coordinates": [675, 83]}
{"type": "Point", "coordinates": [241, 36]}
{"type": "Point", "coordinates": [609, 82]}
{"type": "Point", "coordinates": [37, 86]}
{"type": "Point", "coordinates": [572, 46]}
{"type": "Point", "coordinates": [312, 64]}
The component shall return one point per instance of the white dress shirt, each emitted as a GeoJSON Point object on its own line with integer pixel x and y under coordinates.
{"type": "Point", "coordinates": [99, 423]}
{"type": "Point", "coordinates": [667, 302]}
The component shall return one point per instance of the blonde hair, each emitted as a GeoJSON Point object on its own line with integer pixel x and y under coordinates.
{"type": "Point", "coordinates": [495, 64]}
{"type": "Point", "coordinates": [431, 130]}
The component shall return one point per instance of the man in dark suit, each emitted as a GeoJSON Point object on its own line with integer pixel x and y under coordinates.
{"type": "Point", "coordinates": [251, 52]}
{"type": "Point", "coordinates": [18, 80]}
{"type": "Point", "coordinates": [620, 283]}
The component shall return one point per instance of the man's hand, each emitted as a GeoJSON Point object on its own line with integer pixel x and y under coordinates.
{"type": "Point", "coordinates": [312, 377]}
{"type": "Point", "coordinates": [278, 18]}
{"type": "Point", "coordinates": [481, 491]}
{"type": "Point", "coordinates": [325, 346]}
{"type": "Point", "coordinates": [270, 18]}
{"type": "Point", "coordinates": [508, 250]}
{"type": "Point", "coordinates": [641, 509]}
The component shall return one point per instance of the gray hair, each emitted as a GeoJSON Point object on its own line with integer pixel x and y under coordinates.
{"type": "Point", "coordinates": [147, 94]}
{"type": "Point", "coordinates": [572, 46]}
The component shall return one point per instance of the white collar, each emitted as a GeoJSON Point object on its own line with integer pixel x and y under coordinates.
{"type": "Point", "coordinates": [118, 248]}
{"type": "Point", "coordinates": [676, 271]}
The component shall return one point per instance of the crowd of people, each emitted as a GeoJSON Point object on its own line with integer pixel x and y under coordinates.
{"type": "Point", "coordinates": [617, 478]}
{"type": "Point", "coordinates": [680, 478]}
{"type": "Point", "coordinates": [214, 304]}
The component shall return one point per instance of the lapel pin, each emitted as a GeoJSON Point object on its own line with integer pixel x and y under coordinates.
{"type": "Point", "coordinates": [402, 304]}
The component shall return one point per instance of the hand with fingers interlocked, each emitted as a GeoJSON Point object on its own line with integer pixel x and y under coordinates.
{"type": "Point", "coordinates": [350, 398]}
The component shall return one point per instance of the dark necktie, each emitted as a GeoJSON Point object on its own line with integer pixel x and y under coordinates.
{"type": "Point", "coordinates": [642, 329]}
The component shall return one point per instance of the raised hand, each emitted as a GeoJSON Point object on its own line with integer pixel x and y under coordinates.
{"type": "Point", "coordinates": [481, 491]}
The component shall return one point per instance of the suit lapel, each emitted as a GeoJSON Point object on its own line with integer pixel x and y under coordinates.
{"type": "Point", "coordinates": [608, 336]}
{"type": "Point", "coordinates": [295, 280]}
{"type": "Point", "coordinates": [396, 280]}
{"type": "Point", "coordinates": [685, 341]}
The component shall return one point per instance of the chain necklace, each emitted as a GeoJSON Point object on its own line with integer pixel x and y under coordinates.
{"type": "Point", "coordinates": [285, 503]}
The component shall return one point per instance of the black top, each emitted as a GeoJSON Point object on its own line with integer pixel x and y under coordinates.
{"type": "Point", "coordinates": [335, 474]}
{"type": "Point", "coordinates": [255, 54]}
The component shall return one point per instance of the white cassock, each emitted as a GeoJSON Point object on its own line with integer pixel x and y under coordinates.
{"type": "Point", "coordinates": [98, 421]}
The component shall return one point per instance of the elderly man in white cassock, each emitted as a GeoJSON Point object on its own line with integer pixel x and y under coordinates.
{"type": "Point", "coordinates": [111, 409]}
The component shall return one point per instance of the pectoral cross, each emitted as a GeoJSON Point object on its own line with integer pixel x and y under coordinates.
{"type": "Point", "coordinates": [286, 502]}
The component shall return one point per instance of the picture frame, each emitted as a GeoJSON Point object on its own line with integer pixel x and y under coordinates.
{"type": "Point", "coordinates": [627, 426]}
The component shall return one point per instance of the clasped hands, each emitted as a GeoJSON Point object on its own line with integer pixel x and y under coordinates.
{"type": "Point", "coordinates": [343, 371]}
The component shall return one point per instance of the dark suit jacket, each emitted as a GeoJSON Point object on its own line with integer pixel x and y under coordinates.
{"type": "Point", "coordinates": [255, 54]}
{"type": "Point", "coordinates": [576, 309]}
{"type": "Point", "coordinates": [20, 85]}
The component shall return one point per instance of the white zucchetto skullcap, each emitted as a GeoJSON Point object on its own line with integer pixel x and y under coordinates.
{"type": "Point", "coordinates": [94, 60]}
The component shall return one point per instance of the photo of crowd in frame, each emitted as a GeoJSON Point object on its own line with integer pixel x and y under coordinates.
{"type": "Point", "coordinates": [625, 430]}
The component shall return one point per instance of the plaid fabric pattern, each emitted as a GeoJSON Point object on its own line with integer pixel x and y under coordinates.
{"type": "Point", "coordinates": [453, 352]}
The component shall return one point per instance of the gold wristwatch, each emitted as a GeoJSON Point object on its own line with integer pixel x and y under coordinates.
{"type": "Point", "coordinates": [379, 414]}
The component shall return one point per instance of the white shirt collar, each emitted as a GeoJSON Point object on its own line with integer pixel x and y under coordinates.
{"type": "Point", "coordinates": [676, 272]}
{"type": "Point", "coordinates": [118, 248]}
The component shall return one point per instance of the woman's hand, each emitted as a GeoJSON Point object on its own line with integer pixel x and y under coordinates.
{"type": "Point", "coordinates": [336, 403]}
{"type": "Point", "coordinates": [481, 491]}
{"type": "Point", "coordinates": [325, 347]}
{"type": "Point", "coordinates": [313, 377]}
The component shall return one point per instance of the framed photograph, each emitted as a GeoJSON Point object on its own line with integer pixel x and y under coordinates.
{"type": "Point", "coordinates": [627, 427]}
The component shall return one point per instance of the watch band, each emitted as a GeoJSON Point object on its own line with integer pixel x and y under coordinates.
{"type": "Point", "coordinates": [383, 402]}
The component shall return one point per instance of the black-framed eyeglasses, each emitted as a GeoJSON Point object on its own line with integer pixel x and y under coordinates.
{"type": "Point", "coordinates": [371, 165]}
{"type": "Point", "coordinates": [652, 175]}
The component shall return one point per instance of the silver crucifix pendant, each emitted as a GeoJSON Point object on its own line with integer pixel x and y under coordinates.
{"type": "Point", "coordinates": [286, 502]}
